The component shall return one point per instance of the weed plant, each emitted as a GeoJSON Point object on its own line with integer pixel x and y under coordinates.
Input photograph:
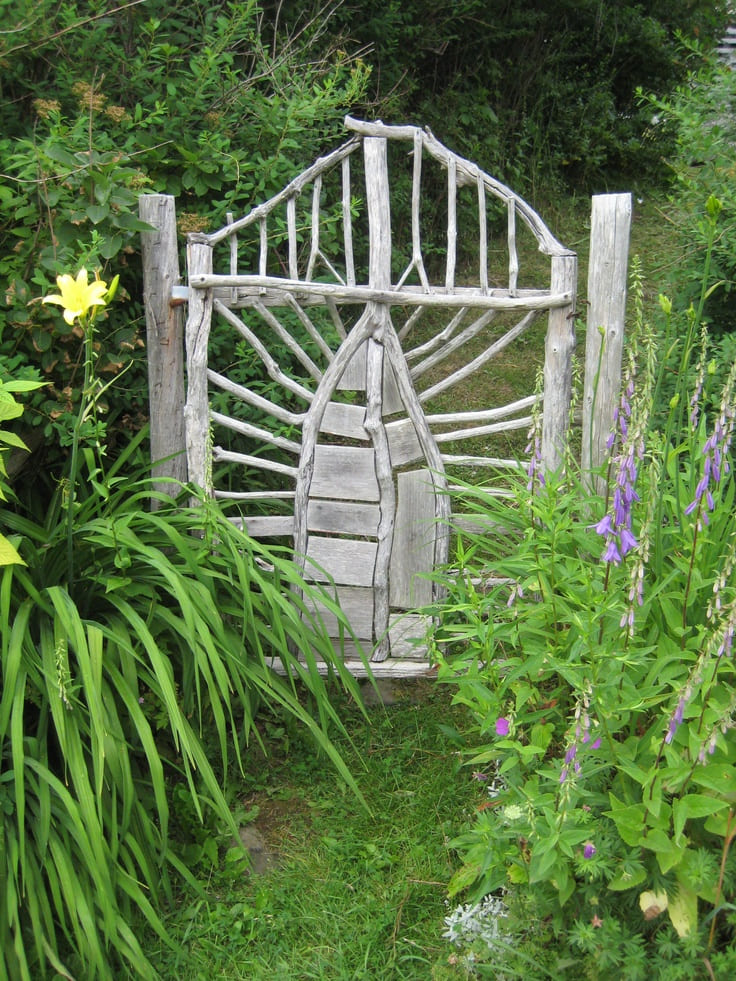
{"type": "Point", "coordinates": [600, 677]}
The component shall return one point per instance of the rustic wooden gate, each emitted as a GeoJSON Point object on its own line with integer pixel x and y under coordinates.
{"type": "Point", "coordinates": [312, 376]}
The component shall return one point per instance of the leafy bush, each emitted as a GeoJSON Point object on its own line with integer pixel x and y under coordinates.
{"type": "Point", "coordinates": [101, 105]}
{"type": "Point", "coordinates": [591, 635]}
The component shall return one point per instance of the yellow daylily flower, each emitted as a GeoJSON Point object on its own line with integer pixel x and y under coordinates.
{"type": "Point", "coordinates": [77, 296]}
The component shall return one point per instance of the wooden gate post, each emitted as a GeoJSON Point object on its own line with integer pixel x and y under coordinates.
{"type": "Point", "coordinates": [610, 229]}
{"type": "Point", "coordinates": [165, 340]}
{"type": "Point", "coordinates": [558, 352]}
{"type": "Point", "coordinates": [199, 323]}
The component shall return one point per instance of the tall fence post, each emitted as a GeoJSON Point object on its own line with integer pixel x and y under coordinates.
{"type": "Point", "coordinates": [165, 340]}
{"type": "Point", "coordinates": [610, 229]}
{"type": "Point", "coordinates": [199, 322]}
{"type": "Point", "coordinates": [558, 353]}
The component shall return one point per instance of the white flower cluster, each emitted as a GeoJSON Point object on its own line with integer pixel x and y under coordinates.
{"type": "Point", "coordinates": [478, 921]}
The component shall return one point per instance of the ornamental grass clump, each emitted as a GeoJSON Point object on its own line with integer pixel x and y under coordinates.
{"type": "Point", "coordinates": [135, 650]}
{"type": "Point", "coordinates": [615, 663]}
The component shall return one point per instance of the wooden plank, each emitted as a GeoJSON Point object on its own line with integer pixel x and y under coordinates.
{"type": "Point", "coordinates": [356, 602]}
{"type": "Point", "coordinates": [414, 540]}
{"type": "Point", "coordinates": [345, 420]}
{"type": "Point", "coordinates": [348, 561]}
{"type": "Point", "coordinates": [403, 442]}
{"type": "Point", "coordinates": [353, 378]}
{"type": "Point", "coordinates": [342, 518]}
{"type": "Point", "coordinates": [346, 473]}
{"type": "Point", "coordinates": [607, 282]}
{"type": "Point", "coordinates": [266, 525]}
{"type": "Point", "coordinates": [408, 635]}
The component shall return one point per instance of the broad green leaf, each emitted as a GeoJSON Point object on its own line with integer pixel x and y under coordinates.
{"type": "Point", "coordinates": [683, 910]}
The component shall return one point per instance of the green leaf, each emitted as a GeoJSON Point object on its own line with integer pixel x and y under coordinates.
{"type": "Point", "coordinates": [8, 553]}
{"type": "Point", "coordinates": [694, 806]}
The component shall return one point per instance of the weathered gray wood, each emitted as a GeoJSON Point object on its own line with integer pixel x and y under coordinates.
{"type": "Point", "coordinates": [348, 562]}
{"type": "Point", "coordinates": [610, 229]}
{"type": "Point", "coordinates": [289, 340]}
{"type": "Point", "coordinates": [347, 223]}
{"type": "Point", "coordinates": [345, 473]}
{"type": "Point", "coordinates": [314, 250]}
{"type": "Point", "coordinates": [356, 603]}
{"type": "Point", "coordinates": [345, 420]}
{"type": "Point", "coordinates": [451, 222]}
{"type": "Point", "coordinates": [404, 445]}
{"type": "Point", "coordinates": [196, 408]}
{"type": "Point", "coordinates": [292, 190]}
{"type": "Point", "coordinates": [482, 235]}
{"type": "Point", "coordinates": [221, 455]}
{"type": "Point", "coordinates": [513, 256]}
{"type": "Point", "coordinates": [438, 340]}
{"type": "Point", "coordinates": [387, 494]}
{"type": "Point", "coordinates": [165, 339]}
{"type": "Point", "coordinates": [414, 535]}
{"type": "Point", "coordinates": [558, 352]}
{"type": "Point", "coordinates": [266, 525]}
{"type": "Point", "coordinates": [379, 277]}
{"type": "Point", "coordinates": [496, 299]}
{"type": "Point", "coordinates": [291, 231]}
{"type": "Point", "coordinates": [372, 528]}
{"type": "Point", "coordinates": [342, 517]}
{"type": "Point", "coordinates": [483, 415]}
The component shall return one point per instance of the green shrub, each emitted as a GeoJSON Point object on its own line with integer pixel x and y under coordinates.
{"type": "Point", "coordinates": [600, 673]}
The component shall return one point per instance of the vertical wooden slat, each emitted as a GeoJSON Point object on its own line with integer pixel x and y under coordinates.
{"type": "Point", "coordinates": [314, 247]}
{"type": "Point", "coordinates": [376, 429]}
{"type": "Point", "coordinates": [233, 244]}
{"type": "Point", "coordinates": [482, 235]}
{"type": "Point", "coordinates": [559, 350]}
{"type": "Point", "coordinates": [165, 339]}
{"type": "Point", "coordinates": [347, 223]}
{"type": "Point", "coordinates": [416, 192]}
{"type": "Point", "coordinates": [413, 553]}
{"type": "Point", "coordinates": [291, 229]}
{"type": "Point", "coordinates": [513, 256]}
{"type": "Point", "coordinates": [263, 252]}
{"type": "Point", "coordinates": [610, 228]}
{"type": "Point", "coordinates": [451, 222]}
{"type": "Point", "coordinates": [196, 408]}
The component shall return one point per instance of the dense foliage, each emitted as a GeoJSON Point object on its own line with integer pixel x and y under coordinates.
{"type": "Point", "coordinates": [539, 91]}
{"type": "Point", "coordinates": [599, 669]}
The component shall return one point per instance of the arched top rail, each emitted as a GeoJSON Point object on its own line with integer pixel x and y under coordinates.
{"type": "Point", "coordinates": [319, 243]}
